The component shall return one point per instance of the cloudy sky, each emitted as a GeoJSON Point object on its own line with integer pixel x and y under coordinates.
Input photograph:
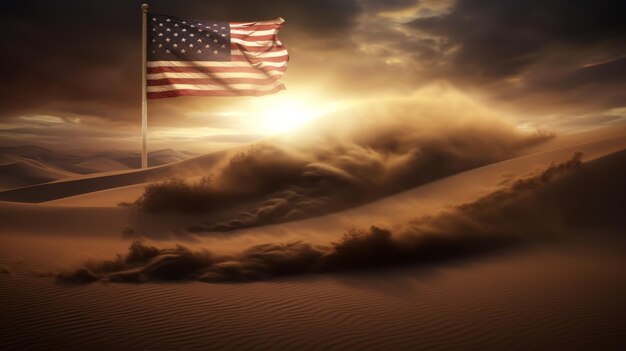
{"type": "Point", "coordinates": [72, 79]}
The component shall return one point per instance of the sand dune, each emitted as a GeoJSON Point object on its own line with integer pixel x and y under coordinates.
{"type": "Point", "coordinates": [558, 285]}
{"type": "Point", "coordinates": [24, 173]}
{"type": "Point", "coordinates": [32, 165]}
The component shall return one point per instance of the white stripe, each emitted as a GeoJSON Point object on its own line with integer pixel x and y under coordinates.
{"type": "Point", "coordinates": [260, 54]}
{"type": "Point", "coordinates": [226, 87]}
{"type": "Point", "coordinates": [210, 75]}
{"type": "Point", "coordinates": [215, 64]}
{"type": "Point", "coordinates": [254, 33]}
{"type": "Point", "coordinates": [255, 43]}
{"type": "Point", "coordinates": [278, 20]}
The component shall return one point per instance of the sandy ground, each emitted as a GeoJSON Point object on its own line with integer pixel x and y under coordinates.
{"type": "Point", "coordinates": [557, 294]}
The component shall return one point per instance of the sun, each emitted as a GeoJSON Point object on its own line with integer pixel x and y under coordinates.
{"type": "Point", "coordinates": [286, 116]}
{"type": "Point", "coordinates": [281, 114]}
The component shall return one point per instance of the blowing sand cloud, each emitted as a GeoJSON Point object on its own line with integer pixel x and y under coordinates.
{"type": "Point", "coordinates": [501, 219]}
{"type": "Point", "coordinates": [347, 159]}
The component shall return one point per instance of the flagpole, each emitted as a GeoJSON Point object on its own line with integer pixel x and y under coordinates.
{"type": "Point", "coordinates": [144, 103]}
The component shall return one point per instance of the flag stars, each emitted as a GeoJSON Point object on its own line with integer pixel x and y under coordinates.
{"type": "Point", "coordinates": [191, 35]}
{"type": "Point", "coordinates": [190, 45]}
{"type": "Point", "coordinates": [215, 52]}
{"type": "Point", "coordinates": [167, 51]}
{"type": "Point", "coordinates": [183, 51]}
{"type": "Point", "coordinates": [167, 29]}
{"type": "Point", "coordinates": [160, 34]}
{"type": "Point", "coordinates": [160, 45]}
{"type": "Point", "coordinates": [215, 40]}
{"type": "Point", "coordinates": [167, 40]}
{"type": "Point", "coordinates": [175, 34]}
{"type": "Point", "coordinates": [160, 24]}
{"type": "Point", "coordinates": [199, 51]}
{"type": "Point", "coordinates": [207, 46]}
{"type": "Point", "coordinates": [168, 20]}
{"type": "Point", "coordinates": [223, 35]}
{"type": "Point", "coordinates": [184, 30]}
{"type": "Point", "coordinates": [175, 24]}
{"type": "Point", "coordinates": [199, 40]}
{"type": "Point", "coordinates": [175, 45]}
{"type": "Point", "coordinates": [214, 24]}
{"type": "Point", "coordinates": [154, 18]}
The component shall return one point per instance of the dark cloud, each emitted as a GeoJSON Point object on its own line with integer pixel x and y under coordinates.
{"type": "Point", "coordinates": [542, 205]}
{"type": "Point", "coordinates": [535, 51]}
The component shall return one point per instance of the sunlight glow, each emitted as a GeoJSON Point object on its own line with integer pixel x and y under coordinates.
{"type": "Point", "coordinates": [280, 114]}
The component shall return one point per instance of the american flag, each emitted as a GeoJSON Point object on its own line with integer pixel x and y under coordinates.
{"type": "Point", "coordinates": [212, 58]}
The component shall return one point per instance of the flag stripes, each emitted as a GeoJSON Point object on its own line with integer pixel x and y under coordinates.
{"type": "Point", "coordinates": [257, 61]}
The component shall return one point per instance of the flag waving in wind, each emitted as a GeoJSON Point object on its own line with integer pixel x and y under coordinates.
{"type": "Point", "coordinates": [212, 58]}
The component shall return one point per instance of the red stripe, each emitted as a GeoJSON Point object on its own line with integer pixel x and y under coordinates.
{"type": "Point", "coordinates": [249, 37]}
{"type": "Point", "coordinates": [283, 58]}
{"type": "Point", "coordinates": [241, 47]}
{"type": "Point", "coordinates": [200, 69]}
{"type": "Point", "coordinates": [220, 81]}
{"type": "Point", "coordinates": [185, 92]}
{"type": "Point", "coordinates": [257, 27]}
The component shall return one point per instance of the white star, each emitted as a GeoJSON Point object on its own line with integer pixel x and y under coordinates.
{"type": "Point", "coordinates": [199, 40]}
{"type": "Point", "coordinates": [223, 27]}
{"type": "Point", "coordinates": [214, 24]}
{"type": "Point", "coordinates": [184, 22]}
{"type": "Point", "coordinates": [160, 45]}
{"type": "Point", "coordinates": [183, 40]}
{"type": "Point", "coordinates": [175, 45]}
{"type": "Point", "coordinates": [175, 34]}
{"type": "Point", "coordinates": [215, 40]}
{"type": "Point", "coordinates": [167, 29]}
{"type": "Point", "coordinates": [215, 52]}
{"type": "Point", "coordinates": [199, 24]}
{"type": "Point", "coordinates": [184, 30]}
{"type": "Point", "coordinates": [160, 24]}
{"type": "Point", "coordinates": [207, 46]}
{"type": "Point", "coordinates": [224, 35]}
{"type": "Point", "coordinates": [154, 40]}
{"type": "Point", "coordinates": [175, 24]}
{"type": "Point", "coordinates": [160, 34]}
{"type": "Point", "coordinates": [199, 51]}
{"type": "Point", "coordinates": [167, 40]}
{"type": "Point", "coordinates": [167, 51]}
{"type": "Point", "coordinates": [154, 18]}
{"type": "Point", "coordinates": [215, 31]}
{"type": "Point", "coordinates": [168, 20]}
{"type": "Point", "coordinates": [154, 29]}
{"type": "Point", "coordinates": [191, 35]}
{"type": "Point", "coordinates": [192, 26]}
{"type": "Point", "coordinates": [190, 45]}
{"type": "Point", "coordinates": [224, 46]}
{"type": "Point", "coordinates": [183, 51]}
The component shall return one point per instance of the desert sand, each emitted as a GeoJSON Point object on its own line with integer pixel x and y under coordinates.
{"type": "Point", "coordinates": [507, 253]}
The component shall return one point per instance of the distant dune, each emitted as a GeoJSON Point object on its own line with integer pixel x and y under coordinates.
{"type": "Point", "coordinates": [24, 172]}
{"type": "Point", "coordinates": [29, 165]}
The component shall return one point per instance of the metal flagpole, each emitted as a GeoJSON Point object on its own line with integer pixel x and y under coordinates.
{"type": "Point", "coordinates": [144, 103]}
